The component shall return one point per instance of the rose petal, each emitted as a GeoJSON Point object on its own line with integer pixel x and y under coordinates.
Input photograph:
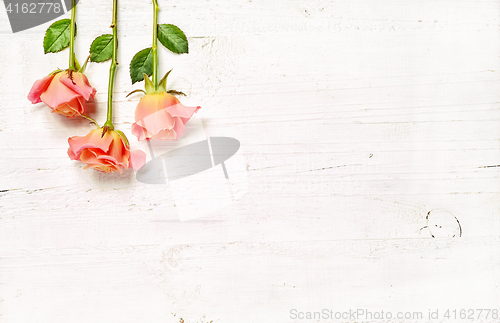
{"type": "Point", "coordinates": [106, 158]}
{"type": "Point", "coordinates": [150, 103]}
{"type": "Point", "coordinates": [139, 132]}
{"type": "Point", "coordinates": [91, 140]}
{"type": "Point", "coordinates": [72, 109]}
{"type": "Point", "coordinates": [38, 88]}
{"type": "Point", "coordinates": [89, 157]}
{"type": "Point", "coordinates": [179, 127]}
{"type": "Point", "coordinates": [166, 135]}
{"type": "Point", "coordinates": [137, 159]}
{"type": "Point", "coordinates": [156, 122]}
{"type": "Point", "coordinates": [105, 168]}
{"type": "Point", "coordinates": [185, 113]}
{"type": "Point", "coordinates": [117, 152]}
{"type": "Point", "coordinates": [57, 93]}
{"type": "Point", "coordinates": [79, 84]}
{"type": "Point", "coordinates": [71, 154]}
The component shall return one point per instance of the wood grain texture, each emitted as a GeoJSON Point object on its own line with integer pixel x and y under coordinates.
{"type": "Point", "coordinates": [356, 119]}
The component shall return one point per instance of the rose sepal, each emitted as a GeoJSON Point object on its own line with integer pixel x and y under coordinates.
{"type": "Point", "coordinates": [162, 85]}
{"type": "Point", "coordinates": [122, 135]}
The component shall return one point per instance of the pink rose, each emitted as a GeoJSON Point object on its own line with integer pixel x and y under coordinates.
{"type": "Point", "coordinates": [64, 92]}
{"type": "Point", "coordinates": [161, 116]}
{"type": "Point", "coordinates": [105, 153]}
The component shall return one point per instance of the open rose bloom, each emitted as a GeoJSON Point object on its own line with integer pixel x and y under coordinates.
{"type": "Point", "coordinates": [161, 116]}
{"type": "Point", "coordinates": [64, 92]}
{"type": "Point", "coordinates": [105, 153]}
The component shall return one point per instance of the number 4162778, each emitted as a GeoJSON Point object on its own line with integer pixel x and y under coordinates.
{"type": "Point", "coordinates": [43, 7]}
{"type": "Point", "coordinates": [472, 314]}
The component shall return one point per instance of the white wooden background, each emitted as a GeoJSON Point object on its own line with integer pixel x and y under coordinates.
{"type": "Point", "coordinates": [356, 118]}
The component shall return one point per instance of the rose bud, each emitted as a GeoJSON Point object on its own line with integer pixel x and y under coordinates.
{"type": "Point", "coordinates": [64, 92]}
{"type": "Point", "coordinates": [161, 116]}
{"type": "Point", "coordinates": [105, 150]}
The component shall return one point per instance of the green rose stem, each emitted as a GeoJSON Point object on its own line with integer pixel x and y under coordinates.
{"type": "Point", "coordinates": [89, 118]}
{"type": "Point", "coordinates": [156, 8]}
{"type": "Point", "coordinates": [154, 48]}
{"type": "Point", "coordinates": [73, 62]}
{"type": "Point", "coordinates": [72, 37]}
{"type": "Point", "coordinates": [109, 120]}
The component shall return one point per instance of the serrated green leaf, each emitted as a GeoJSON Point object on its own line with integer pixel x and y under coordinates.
{"type": "Point", "coordinates": [173, 38]}
{"type": "Point", "coordinates": [57, 37]}
{"type": "Point", "coordinates": [141, 63]}
{"type": "Point", "coordinates": [101, 49]}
